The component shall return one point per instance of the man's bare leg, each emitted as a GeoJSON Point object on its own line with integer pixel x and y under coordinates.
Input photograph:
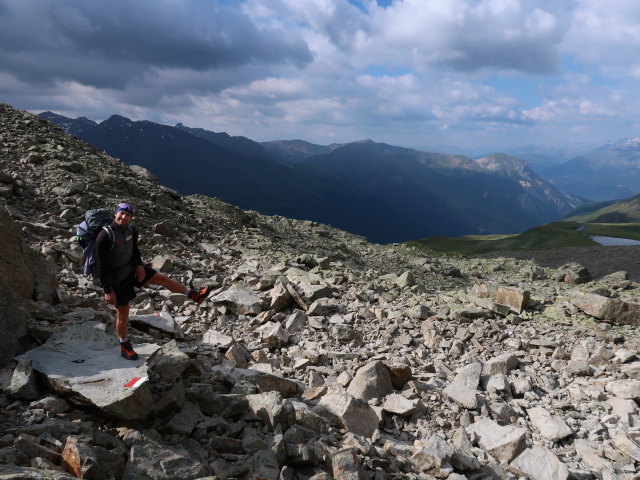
{"type": "Point", "coordinates": [166, 282]}
{"type": "Point", "coordinates": [122, 321]}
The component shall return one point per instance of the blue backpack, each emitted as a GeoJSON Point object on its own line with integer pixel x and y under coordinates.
{"type": "Point", "coordinates": [86, 233]}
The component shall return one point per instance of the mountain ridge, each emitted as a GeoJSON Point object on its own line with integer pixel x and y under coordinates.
{"type": "Point", "coordinates": [384, 192]}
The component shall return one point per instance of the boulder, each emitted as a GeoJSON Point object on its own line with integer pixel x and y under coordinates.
{"type": "Point", "coordinates": [625, 444]}
{"type": "Point", "coordinates": [433, 453]}
{"type": "Point", "coordinates": [539, 463]}
{"type": "Point", "coordinates": [346, 465]}
{"type": "Point", "coordinates": [504, 443]}
{"type": "Point", "coordinates": [502, 364]}
{"type": "Point", "coordinates": [605, 308]}
{"type": "Point", "coordinates": [628, 388]}
{"type": "Point", "coordinates": [272, 409]}
{"type": "Point", "coordinates": [162, 321]}
{"type": "Point", "coordinates": [296, 322]}
{"type": "Point", "coordinates": [24, 275]}
{"type": "Point", "coordinates": [371, 381]}
{"type": "Point", "coordinates": [83, 363]}
{"type": "Point", "coordinates": [552, 427]}
{"type": "Point", "coordinates": [15, 472]}
{"type": "Point", "coordinates": [240, 299]}
{"type": "Point", "coordinates": [312, 285]}
{"type": "Point", "coordinates": [573, 274]}
{"type": "Point", "coordinates": [398, 405]}
{"type": "Point", "coordinates": [161, 462]}
{"type": "Point", "coordinates": [265, 382]}
{"type": "Point", "coordinates": [464, 387]}
{"type": "Point", "coordinates": [273, 334]}
{"type": "Point", "coordinates": [515, 298]}
{"type": "Point", "coordinates": [93, 460]}
{"type": "Point", "coordinates": [23, 381]}
{"type": "Point", "coordinates": [350, 413]}
{"type": "Point", "coordinates": [216, 338]}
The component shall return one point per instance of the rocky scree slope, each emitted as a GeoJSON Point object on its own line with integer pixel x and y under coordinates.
{"type": "Point", "coordinates": [318, 356]}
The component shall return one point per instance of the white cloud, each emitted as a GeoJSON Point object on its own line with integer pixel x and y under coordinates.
{"type": "Point", "coordinates": [415, 72]}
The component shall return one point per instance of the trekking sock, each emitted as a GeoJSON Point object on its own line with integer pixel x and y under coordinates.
{"type": "Point", "coordinates": [122, 340]}
{"type": "Point", "coordinates": [187, 292]}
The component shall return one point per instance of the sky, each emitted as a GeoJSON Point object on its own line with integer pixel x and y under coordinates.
{"type": "Point", "coordinates": [470, 74]}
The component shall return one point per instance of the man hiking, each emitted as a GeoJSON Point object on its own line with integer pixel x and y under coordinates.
{"type": "Point", "coordinates": [121, 270]}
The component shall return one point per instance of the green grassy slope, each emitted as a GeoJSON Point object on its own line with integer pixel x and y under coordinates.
{"type": "Point", "coordinates": [551, 235]}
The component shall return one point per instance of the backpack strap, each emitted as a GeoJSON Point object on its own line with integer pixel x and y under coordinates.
{"type": "Point", "coordinates": [112, 236]}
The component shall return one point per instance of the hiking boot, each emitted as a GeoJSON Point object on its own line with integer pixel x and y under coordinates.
{"type": "Point", "coordinates": [126, 350]}
{"type": "Point", "coordinates": [198, 296]}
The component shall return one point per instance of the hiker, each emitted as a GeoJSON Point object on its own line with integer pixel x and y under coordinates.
{"type": "Point", "coordinates": [121, 270]}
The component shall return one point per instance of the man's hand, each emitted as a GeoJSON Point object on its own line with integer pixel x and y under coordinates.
{"type": "Point", "coordinates": [140, 273]}
{"type": "Point", "coordinates": [110, 298]}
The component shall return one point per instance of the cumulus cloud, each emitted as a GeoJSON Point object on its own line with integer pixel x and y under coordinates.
{"type": "Point", "coordinates": [116, 43]}
{"type": "Point", "coordinates": [609, 29]}
{"type": "Point", "coordinates": [466, 35]}
{"type": "Point", "coordinates": [413, 72]}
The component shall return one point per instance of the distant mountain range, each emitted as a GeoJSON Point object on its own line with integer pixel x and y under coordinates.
{"type": "Point", "coordinates": [383, 192]}
{"type": "Point", "coordinates": [609, 172]}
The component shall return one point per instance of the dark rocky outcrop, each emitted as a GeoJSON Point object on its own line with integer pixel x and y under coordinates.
{"type": "Point", "coordinates": [24, 275]}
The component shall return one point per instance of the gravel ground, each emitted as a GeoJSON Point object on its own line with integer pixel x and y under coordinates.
{"type": "Point", "coordinates": [599, 260]}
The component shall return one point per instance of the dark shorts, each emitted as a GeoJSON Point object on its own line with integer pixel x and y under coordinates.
{"type": "Point", "coordinates": [125, 290]}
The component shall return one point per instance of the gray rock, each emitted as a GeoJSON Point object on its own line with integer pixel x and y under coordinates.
{"type": "Point", "coordinates": [240, 298]}
{"type": "Point", "coordinates": [539, 463]}
{"type": "Point", "coordinates": [625, 444]}
{"type": "Point", "coordinates": [463, 388]}
{"type": "Point", "coordinates": [504, 443]}
{"type": "Point", "coordinates": [14, 472]}
{"type": "Point", "coordinates": [93, 372]}
{"type": "Point", "coordinates": [573, 274]}
{"type": "Point", "coordinates": [273, 334]}
{"type": "Point", "coordinates": [169, 362]}
{"type": "Point", "coordinates": [296, 322]}
{"type": "Point", "coordinates": [238, 355]}
{"type": "Point", "coordinates": [272, 409]}
{"type": "Point", "coordinates": [161, 462]}
{"type": "Point", "coordinates": [353, 414]}
{"type": "Point", "coordinates": [183, 422]}
{"type": "Point", "coordinates": [217, 339]}
{"type": "Point", "coordinates": [280, 297]}
{"type": "Point", "coordinates": [265, 382]}
{"type": "Point", "coordinates": [312, 285]}
{"type": "Point", "coordinates": [629, 388]}
{"type": "Point", "coordinates": [605, 308]}
{"type": "Point", "coordinates": [623, 408]}
{"type": "Point", "coordinates": [550, 426]}
{"type": "Point", "coordinates": [407, 279]}
{"type": "Point", "coordinates": [162, 321]}
{"type": "Point", "coordinates": [588, 452]}
{"type": "Point", "coordinates": [398, 405]}
{"type": "Point", "coordinates": [24, 275]}
{"type": "Point", "coordinates": [346, 465]}
{"type": "Point", "coordinates": [434, 453]}
{"type": "Point", "coordinates": [371, 381]}
{"type": "Point", "coordinates": [23, 384]}
{"type": "Point", "coordinates": [502, 364]}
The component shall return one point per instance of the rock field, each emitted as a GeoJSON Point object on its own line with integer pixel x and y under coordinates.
{"type": "Point", "coordinates": [318, 356]}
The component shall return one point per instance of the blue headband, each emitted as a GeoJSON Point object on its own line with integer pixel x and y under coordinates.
{"type": "Point", "coordinates": [125, 207]}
